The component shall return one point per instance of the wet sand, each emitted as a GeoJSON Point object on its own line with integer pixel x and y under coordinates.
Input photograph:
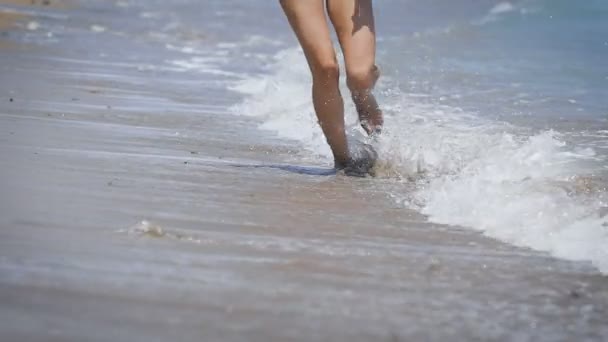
{"type": "Point", "coordinates": [242, 241]}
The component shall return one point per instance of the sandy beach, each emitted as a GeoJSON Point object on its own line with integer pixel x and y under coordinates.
{"type": "Point", "coordinates": [136, 206]}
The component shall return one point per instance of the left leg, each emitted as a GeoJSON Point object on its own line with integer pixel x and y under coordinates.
{"type": "Point", "coordinates": [307, 18]}
{"type": "Point", "coordinates": [353, 21]}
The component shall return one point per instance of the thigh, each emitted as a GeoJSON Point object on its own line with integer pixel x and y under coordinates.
{"type": "Point", "coordinates": [353, 21]}
{"type": "Point", "coordinates": [307, 19]}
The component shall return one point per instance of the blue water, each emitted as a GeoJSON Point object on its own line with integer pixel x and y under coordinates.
{"type": "Point", "coordinates": [547, 59]}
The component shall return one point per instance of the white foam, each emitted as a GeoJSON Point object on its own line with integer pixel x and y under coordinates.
{"type": "Point", "coordinates": [33, 25]}
{"type": "Point", "coordinates": [502, 7]}
{"type": "Point", "coordinates": [524, 190]}
{"type": "Point", "coordinates": [206, 65]}
{"type": "Point", "coordinates": [98, 28]}
{"type": "Point", "coordinates": [257, 40]}
{"type": "Point", "coordinates": [495, 12]}
{"type": "Point", "coordinates": [183, 49]}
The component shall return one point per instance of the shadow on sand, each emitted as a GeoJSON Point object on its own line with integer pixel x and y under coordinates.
{"type": "Point", "coordinates": [302, 170]}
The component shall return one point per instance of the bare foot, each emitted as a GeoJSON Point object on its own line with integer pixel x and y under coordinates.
{"type": "Point", "coordinates": [362, 161]}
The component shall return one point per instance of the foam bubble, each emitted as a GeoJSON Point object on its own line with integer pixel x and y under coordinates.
{"type": "Point", "coordinates": [495, 12]}
{"type": "Point", "coordinates": [206, 65]}
{"type": "Point", "coordinates": [502, 7]}
{"type": "Point", "coordinates": [33, 26]}
{"type": "Point", "coordinates": [98, 28]}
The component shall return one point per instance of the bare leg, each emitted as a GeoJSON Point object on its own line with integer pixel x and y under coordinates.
{"type": "Point", "coordinates": [353, 21]}
{"type": "Point", "coordinates": [307, 18]}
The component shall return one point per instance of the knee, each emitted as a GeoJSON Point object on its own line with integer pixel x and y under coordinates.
{"type": "Point", "coordinates": [326, 71]}
{"type": "Point", "coordinates": [362, 78]}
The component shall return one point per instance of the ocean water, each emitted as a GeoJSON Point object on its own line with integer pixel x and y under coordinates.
{"type": "Point", "coordinates": [496, 112]}
{"type": "Point", "coordinates": [162, 164]}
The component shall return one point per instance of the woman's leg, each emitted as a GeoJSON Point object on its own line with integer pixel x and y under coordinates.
{"type": "Point", "coordinates": [307, 18]}
{"type": "Point", "coordinates": [353, 21]}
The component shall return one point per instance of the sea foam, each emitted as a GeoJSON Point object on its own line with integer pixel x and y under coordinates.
{"type": "Point", "coordinates": [529, 190]}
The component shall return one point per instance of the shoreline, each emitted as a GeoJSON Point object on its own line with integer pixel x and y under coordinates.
{"type": "Point", "coordinates": [244, 242]}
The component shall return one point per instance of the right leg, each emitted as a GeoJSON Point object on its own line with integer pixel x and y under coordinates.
{"type": "Point", "coordinates": [307, 19]}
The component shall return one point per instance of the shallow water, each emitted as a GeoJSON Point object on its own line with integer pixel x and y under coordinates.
{"type": "Point", "coordinates": [500, 117]}
{"type": "Point", "coordinates": [141, 201]}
